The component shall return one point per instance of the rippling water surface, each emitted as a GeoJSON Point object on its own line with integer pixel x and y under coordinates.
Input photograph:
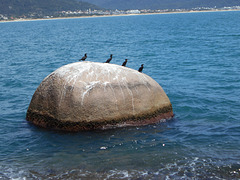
{"type": "Point", "coordinates": [195, 57]}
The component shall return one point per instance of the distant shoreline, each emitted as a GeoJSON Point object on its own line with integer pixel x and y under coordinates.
{"type": "Point", "coordinates": [115, 15]}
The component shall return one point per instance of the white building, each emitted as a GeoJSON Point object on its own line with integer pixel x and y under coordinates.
{"type": "Point", "coordinates": [134, 11]}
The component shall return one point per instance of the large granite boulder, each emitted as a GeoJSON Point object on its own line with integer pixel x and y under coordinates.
{"type": "Point", "coordinates": [89, 95]}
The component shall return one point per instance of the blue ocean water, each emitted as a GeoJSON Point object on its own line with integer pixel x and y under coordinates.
{"type": "Point", "coordinates": [195, 57]}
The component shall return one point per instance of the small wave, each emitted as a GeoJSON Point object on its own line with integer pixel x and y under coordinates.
{"type": "Point", "coordinates": [186, 168]}
{"type": "Point", "coordinates": [228, 35]}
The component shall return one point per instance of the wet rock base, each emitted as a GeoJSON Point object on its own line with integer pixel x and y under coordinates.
{"type": "Point", "coordinates": [48, 122]}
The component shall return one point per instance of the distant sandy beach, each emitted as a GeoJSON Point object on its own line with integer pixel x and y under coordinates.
{"type": "Point", "coordinates": [114, 15]}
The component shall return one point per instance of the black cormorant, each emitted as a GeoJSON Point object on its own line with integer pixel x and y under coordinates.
{"type": "Point", "coordinates": [108, 61]}
{"type": "Point", "coordinates": [141, 68]}
{"type": "Point", "coordinates": [84, 57]}
{"type": "Point", "coordinates": [125, 62]}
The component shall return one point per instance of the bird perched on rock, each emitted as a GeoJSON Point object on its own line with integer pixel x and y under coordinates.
{"type": "Point", "coordinates": [125, 62]}
{"type": "Point", "coordinates": [141, 68]}
{"type": "Point", "coordinates": [109, 59]}
{"type": "Point", "coordinates": [84, 57]}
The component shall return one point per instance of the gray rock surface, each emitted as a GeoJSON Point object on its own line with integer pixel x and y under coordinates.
{"type": "Point", "coordinates": [89, 95]}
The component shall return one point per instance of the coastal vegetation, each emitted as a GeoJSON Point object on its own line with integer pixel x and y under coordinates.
{"type": "Point", "coordinates": [40, 8]}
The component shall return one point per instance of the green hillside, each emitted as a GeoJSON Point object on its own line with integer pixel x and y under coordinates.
{"type": "Point", "coordinates": [45, 7]}
{"type": "Point", "coordinates": [162, 4]}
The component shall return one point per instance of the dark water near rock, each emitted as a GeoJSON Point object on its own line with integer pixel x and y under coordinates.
{"type": "Point", "coordinates": [195, 57]}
